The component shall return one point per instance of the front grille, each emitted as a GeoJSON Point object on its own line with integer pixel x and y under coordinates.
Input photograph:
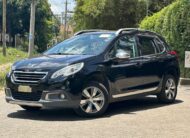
{"type": "Point", "coordinates": [34, 96]}
{"type": "Point", "coordinates": [28, 77]}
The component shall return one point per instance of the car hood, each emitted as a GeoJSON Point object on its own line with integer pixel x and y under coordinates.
{"type": "Point", "coordinates": [46, 62]}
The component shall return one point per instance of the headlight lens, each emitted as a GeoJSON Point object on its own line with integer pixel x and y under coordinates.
{"type": "Point", "coordinates": [67, 71]}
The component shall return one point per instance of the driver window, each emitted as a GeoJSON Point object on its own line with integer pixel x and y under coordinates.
{"type": "Point", "coordinates": [125, 43]}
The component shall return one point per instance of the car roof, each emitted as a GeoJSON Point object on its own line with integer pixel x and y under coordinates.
{"type": "Point", "coordinates": [119, 32]}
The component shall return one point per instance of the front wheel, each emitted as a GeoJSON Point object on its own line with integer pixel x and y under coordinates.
{"type": "Point", "coordinates": [169, 90]}
{"type": "Point", "coordinates": [94, 101]}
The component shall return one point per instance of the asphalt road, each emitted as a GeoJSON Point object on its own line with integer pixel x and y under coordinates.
{"type": "Point", "coordinates": [136, 118]}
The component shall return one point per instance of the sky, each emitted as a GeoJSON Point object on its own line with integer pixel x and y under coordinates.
{"type": "Point", "coordinates": [58, 6]}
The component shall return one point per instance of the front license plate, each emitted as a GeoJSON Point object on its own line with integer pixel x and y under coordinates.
{"type": "Point", "coordinates": [25, 89]}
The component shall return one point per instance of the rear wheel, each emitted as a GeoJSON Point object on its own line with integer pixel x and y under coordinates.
{"type": "Point", "coordinates": [94, 101]}
{"type": "Point", "coordinates": [29, 108]}
{"type": "Point", "coordinates": [169, 90]}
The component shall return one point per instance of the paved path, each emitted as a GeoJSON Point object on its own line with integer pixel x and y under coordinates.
{"type": "Point", "coordinates": [137, 118]}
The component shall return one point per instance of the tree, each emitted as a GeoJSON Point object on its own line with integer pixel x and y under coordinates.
{"type": "Point", "coordinates": [112, 14]}
{"type": "Point", "coordinates": [4, 27]}
{"type": "Point", "coordinates": [18, 21]}
{"type": "Point", "coordinates": [45, 25]}
{"type": "Point", "coordinates": [157, 5]}
{"type": "Point", "coordinates": [106, 14]}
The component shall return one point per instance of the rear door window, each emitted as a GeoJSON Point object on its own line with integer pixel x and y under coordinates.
{"type": "Point", "coordinates": [147, 46]}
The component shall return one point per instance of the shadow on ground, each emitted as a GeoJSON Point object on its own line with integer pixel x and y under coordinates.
{"type": "Point", "coordinates": [126, 107]}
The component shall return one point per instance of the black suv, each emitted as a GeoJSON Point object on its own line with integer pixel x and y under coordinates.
{"type": "Point", "coordinates": [93, 69]}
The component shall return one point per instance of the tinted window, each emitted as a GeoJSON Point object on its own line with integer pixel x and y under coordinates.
{"type": "Point", "coordinates": [126, 43]}
{"type": "Point", "coordinates": [160, 45]}
{"type": "Point", "coordinates": [147, 46]}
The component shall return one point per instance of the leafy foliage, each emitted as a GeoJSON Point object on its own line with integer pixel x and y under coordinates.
{"type": "Point", "coordinates": [157, 5]}
{"type": "Point", "coordinates": [5, 63]}
{"type": "Point", "coordinates": [106, 14]}
{"type": "Point", "coordinates": [18, 21]}
{"type": "Point", "coordinates": [113, 14]}
{"type": "Point", "coordinates": [173, 22]}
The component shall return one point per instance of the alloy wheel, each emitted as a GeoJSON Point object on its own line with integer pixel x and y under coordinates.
{"type": "Point", "coordinates": [170, 89]}
{"type": "Point", "coordinates": [92, 100]}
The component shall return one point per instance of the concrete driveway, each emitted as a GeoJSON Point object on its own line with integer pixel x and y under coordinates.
{"type": "Point", "coordinates": [135, 118]}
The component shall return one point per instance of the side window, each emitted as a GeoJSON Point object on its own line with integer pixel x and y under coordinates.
{"type": "Point", "coordinates": [126, 43]}
{"type": "Point", "coordinates": [147, 46]}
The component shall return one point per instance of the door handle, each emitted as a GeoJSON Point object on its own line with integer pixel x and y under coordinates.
{"type": "Point", "coordinates": [139, 64]}
{"type": "Point", "coordinates": [161, 60]}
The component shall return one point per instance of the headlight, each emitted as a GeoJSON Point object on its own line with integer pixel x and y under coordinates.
{"type": "Point", "coordinates": [69, 70]}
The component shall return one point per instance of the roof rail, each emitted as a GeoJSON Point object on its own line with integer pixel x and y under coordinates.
{"type": "Point", "coordinates": [89, 31]}
{"type": "Point", "coordinates": [120, 31]}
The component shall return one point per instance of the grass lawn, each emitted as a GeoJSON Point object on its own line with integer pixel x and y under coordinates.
{"type": "Point", "coordinates": [12, 56]}
{"type": "Point", "coordinates": [6, 62]}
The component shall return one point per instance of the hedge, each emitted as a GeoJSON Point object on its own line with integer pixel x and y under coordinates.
{"type": "Point", "coordinates": [173, 22]}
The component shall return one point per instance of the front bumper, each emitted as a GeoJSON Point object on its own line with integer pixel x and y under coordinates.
{"type": "Point", "coordinates": [58, 98]}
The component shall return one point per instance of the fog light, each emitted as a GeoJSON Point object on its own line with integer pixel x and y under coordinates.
{"type": "Point", "coordinates": [55, 96]}
{"type": "Point", "coordinates": [62, 96]}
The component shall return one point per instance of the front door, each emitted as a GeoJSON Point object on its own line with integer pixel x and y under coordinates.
{"type": "Point", "coordinates": [126, 75]}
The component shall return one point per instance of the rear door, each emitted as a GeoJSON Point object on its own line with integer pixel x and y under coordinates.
{"type": "Point", "coordinates": [149, 62]}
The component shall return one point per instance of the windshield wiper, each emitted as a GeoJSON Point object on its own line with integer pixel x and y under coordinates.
{"type": "Point", "coordinates": [67, 54]}
{"type": "Point", "coordinates": [61, 54]}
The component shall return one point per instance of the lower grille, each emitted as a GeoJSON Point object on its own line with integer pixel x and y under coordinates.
{"type": "Point", "coordinates": [34, 96]}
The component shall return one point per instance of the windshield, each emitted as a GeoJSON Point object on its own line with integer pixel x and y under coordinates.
{"type": "Point", "coordinates": [86, 44]}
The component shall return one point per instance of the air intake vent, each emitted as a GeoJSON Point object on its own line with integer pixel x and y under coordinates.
{"type": "Point", "coordinates": [28, 77]}
{"type": "Point", "coordinates": [34, 96]}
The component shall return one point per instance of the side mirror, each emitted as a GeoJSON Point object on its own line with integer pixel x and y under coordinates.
{"type": "Point", "coordinates": [121, 54]}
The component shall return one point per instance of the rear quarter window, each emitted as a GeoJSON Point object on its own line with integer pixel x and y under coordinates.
{"type": "Point", "coordinates": [164, 43]}
{"type": "Point", "coordinates": [160, 45]}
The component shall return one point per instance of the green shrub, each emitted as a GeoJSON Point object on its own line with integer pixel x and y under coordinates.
{"type": "Point", "coordinates": [3, 71]}
{"type": "Point", "coordinates": [173, 22]}
{"type": "Point", "coordinates": [5, 62]}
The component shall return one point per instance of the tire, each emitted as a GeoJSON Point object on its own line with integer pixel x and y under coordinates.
{"type": "Point", "coordinates": [31, 109]}
{"type": "Point", "coordinates": [169, 90]}
{"type": "Point", "coordinates": [94, 100]}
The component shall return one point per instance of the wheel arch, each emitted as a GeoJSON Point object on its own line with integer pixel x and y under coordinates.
{"type": "Point", "coordinates": [98, 77]}
{"type": "Point", "coordinates": [174, 72]}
